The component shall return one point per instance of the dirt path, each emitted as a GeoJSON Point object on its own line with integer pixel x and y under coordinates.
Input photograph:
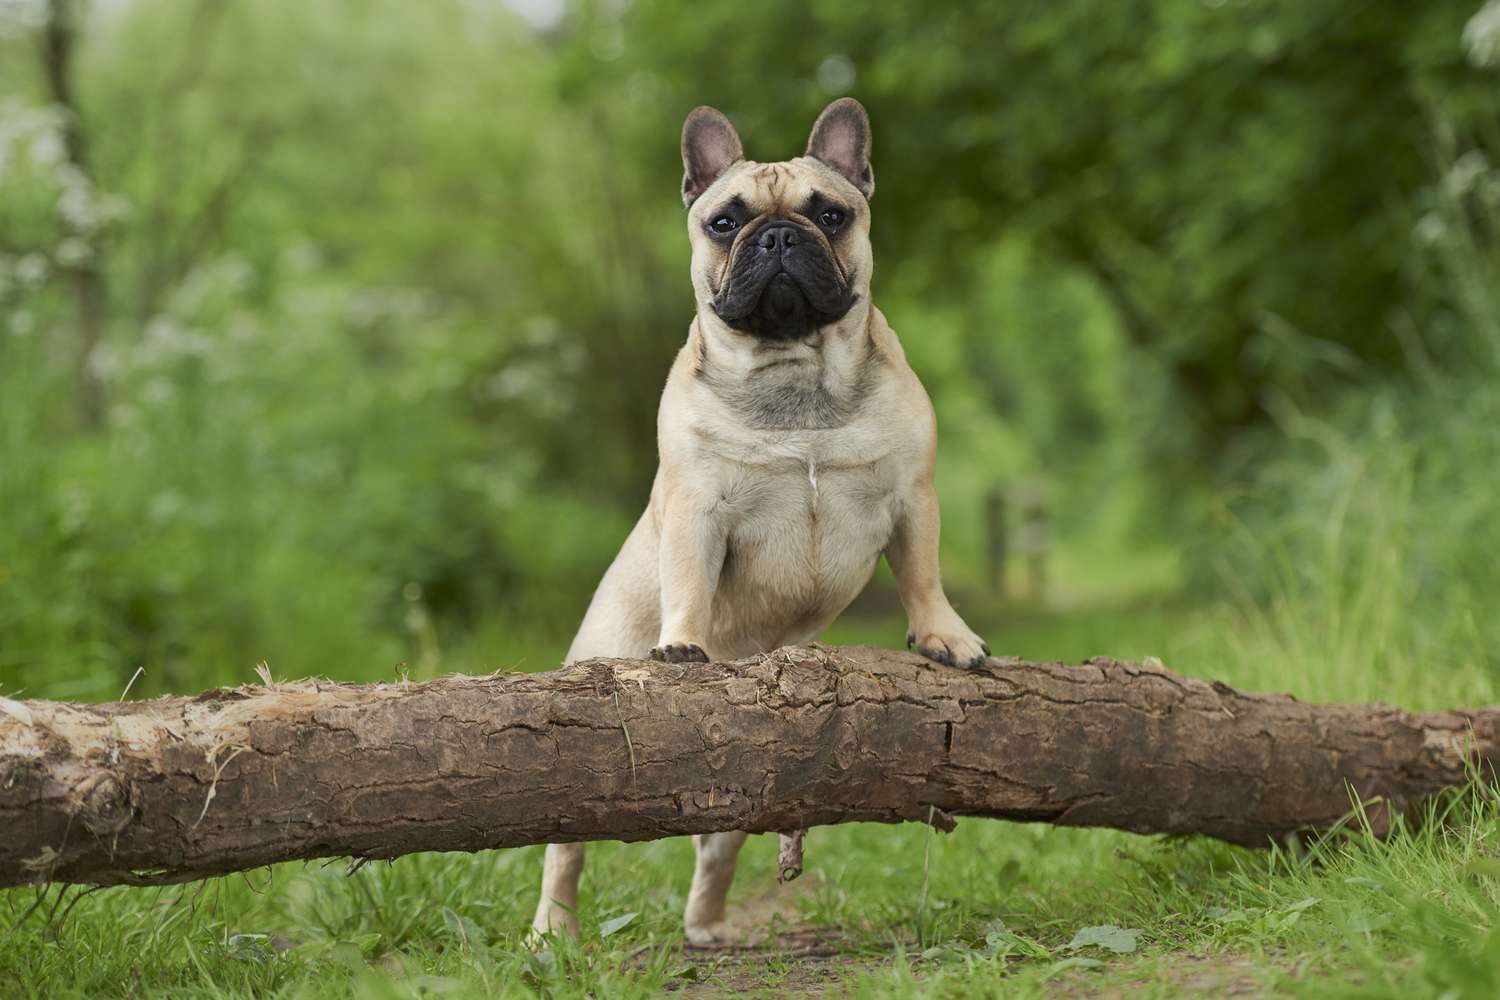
{"type": "Point", "coordinates": [783, 956]}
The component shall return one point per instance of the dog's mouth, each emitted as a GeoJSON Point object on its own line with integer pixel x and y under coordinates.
{"type": "Point", "coordinates": [785, 290]}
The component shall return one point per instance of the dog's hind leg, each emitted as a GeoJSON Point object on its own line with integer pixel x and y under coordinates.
{"type": "Point", "coordinates": [561, 872]}
{"type": "Point", "coordinates": [703, 920]}
{"type": "Point", "coordinates": [622, 621]}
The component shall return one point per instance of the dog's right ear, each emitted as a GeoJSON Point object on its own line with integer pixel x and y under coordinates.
{"type": "Point", "coordinates": [709, 145]}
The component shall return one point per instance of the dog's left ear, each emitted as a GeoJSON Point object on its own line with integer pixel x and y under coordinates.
{"type": "Point", "coordinates": [841, 138]}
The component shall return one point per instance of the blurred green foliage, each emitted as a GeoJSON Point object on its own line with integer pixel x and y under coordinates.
{"type": "Point", "coordinates": [390, 290]}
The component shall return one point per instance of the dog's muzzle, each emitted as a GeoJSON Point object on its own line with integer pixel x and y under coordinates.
{"type": "Point", "coordinates": [783, 284]}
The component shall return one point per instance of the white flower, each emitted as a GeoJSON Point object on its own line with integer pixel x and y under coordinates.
{"type": "Point", "coordinates": [72, 252]}
{"type": "Point", "coordinates": [76, 203]}
{"type": "Point", "coordinates": [73, 510]}
{"type": "Point", "coordinates": [165, 507]}
{"type": "Point", "coordinates": [1466, 170]}
{"type": "Point", "coordinates": [157, 391]}
{"type": "Point", "coordinates": [31, 131]}
{"type": "Point", "coordinates": [542, 332]}
{"type": "Point", "coordinates": [20, 17]}
{"type": "Point", "coordinates": [1482, 35]}
{"type": "Point", "coordinates": [47, 150]}
{"type": "Point", "coordinates": [836, 74]}
{"type": "Point", "coordinates": [514, 381]}
{"type": "Point", "coordinates": [1430, 229]}
{"type": "Point", "coordinates": [111, 207]}
{"type": "Point", "coordinates": [31, 269]}
{"type": "Point", "coordinates": [104, 361]}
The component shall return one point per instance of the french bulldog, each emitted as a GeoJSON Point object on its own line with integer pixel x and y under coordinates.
{"type": "Point", "coordinates": [796, 446]}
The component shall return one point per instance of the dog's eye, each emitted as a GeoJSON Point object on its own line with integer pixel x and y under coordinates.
{"type": "Point", "coordinates": [723, 226]}
{"type": "Point", "coordinates": [831, 218]}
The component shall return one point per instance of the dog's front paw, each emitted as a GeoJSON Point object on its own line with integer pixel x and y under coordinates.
{"type": "Point", "coordinates": [679, 652]}
{"type": "Point", "coordinates": [951, 643]}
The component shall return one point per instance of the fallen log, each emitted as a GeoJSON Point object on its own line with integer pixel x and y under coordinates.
{"type": "Point", "coordinates": [175, 789]}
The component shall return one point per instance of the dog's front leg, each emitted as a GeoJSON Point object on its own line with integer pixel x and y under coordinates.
{"type": "Point", "coordinates": [936, 630]}
{"type": "Point", "coordinates": [694, 539]}
{"type": "Point", "coordinates": [693, 542]}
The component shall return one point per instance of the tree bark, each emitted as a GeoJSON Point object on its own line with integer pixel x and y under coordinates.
{"type": "Point", "coordinates": [176, 789]}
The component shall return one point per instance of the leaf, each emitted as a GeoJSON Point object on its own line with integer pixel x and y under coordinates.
{"type": "Point", "coordinates": [687, 973]}
{"type": "Point", "coordinates": [1361, 922]}
{"type": "Point", "coordinates": [1120, 940]}
{"type": "Point", "coordinates": [347, 955]}
{"type": "Point", "coordinates": [1301, 904]}
{"type": "Point", "coordinates": [1001, 940]}
{"type": "Point", "coordinates": [1484, 868]}
{"type": "Point", "coordinates": [425, 984]}
{"type": "Point", "coordinates": [250, 948]}
{"type": "Point", "coordinates": [541, 965]}
{"type": "Point", "coordinates": [1226, 916]}
{"type": "Point", "coordinates": [1077, 962]}
{"type": "Point", "coordinates": [368, 944]}
{"type": "Point", "coordinates": [616, 923]}
{"type": "Point", "coordinates": [470, 935]}
{"type": "Point", "coordinates": [1364, 883]}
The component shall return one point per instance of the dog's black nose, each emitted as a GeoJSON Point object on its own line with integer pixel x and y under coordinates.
{"type": "Point", "coordinates": [778, 236]}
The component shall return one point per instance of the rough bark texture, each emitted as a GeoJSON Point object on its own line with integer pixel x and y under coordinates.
{"type": "Point", "coordinates": [179, 788]}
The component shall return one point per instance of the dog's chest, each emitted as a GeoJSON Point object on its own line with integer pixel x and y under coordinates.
{"type": "Point", "coordinates": [805, 528]}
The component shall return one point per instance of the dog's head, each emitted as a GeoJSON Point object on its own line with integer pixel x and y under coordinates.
{"type": "Point", "coordinates": [780, 250]}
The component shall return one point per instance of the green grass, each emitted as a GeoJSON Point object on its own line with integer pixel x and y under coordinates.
{"type": "Point", "coordinates": [1352, 917]}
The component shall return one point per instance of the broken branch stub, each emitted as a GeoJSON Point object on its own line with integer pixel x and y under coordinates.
{"type": "Point", "coordinates": [789, 856]}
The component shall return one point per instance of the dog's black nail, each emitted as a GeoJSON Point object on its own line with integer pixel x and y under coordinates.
{"type": "Point", "coordinates": [942, 655]}
{"type": "Point", "coordinates": [680, 652]}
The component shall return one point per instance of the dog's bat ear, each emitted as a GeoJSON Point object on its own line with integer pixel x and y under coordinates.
{"type": "Point", "coordinates": [841, 139]}
{"type": "Point", "coordinates": [709, 145]}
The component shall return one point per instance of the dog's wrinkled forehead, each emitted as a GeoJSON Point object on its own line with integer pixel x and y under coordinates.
{"type": "Point", "coordinates": [769, 188]}
{"type": "Point", "coordinates": [778, 190]}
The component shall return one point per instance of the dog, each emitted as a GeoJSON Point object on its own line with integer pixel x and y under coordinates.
{"type": "Point", "coordinates": [796, 445]}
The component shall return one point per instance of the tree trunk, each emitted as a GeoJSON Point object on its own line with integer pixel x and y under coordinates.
{"type": "Point", "coordinates": [85, 274]}
{"type": "Point", "coordinates": [180, 788]}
